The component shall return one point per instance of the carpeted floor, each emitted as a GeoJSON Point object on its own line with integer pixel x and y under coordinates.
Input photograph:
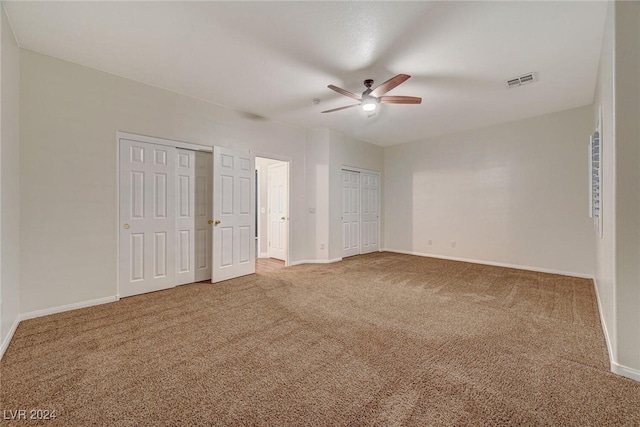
{"type": "Point", "coordinates": [381, 339]}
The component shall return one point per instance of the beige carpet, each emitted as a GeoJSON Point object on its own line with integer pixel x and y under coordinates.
{"type": "Point", "coordinates": [382, 339]}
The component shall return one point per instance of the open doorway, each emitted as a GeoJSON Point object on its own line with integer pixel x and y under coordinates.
{"type": "Point", "coordinates": [272, 214]}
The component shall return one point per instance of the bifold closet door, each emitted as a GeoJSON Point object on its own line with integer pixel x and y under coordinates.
{"type": "Point", "coordinates": [350, 213]}
{"type": "Point", "coordinates": [204, 215]}
{"type": "Point", "coordinates": [147, 217]}
{"type": "Point", "coordinates": [370, 194]}
{"type": "Point", "coordinates": [185, 216]}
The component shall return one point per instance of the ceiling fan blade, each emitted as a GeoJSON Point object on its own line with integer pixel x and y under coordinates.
{"type": "Point", "coordinates": [389, 84]}
{"type": "Point", "coordinates": [400, 100]}
{"type": "Point", "coordinates": [341, 108]}
{"type": "Point", "coordinates": [345, 92]}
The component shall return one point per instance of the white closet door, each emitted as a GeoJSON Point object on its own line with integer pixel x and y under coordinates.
{"type": "Point", "coordinates": [204, 216]}
{"type": "Point", "coordinates": [350, 213]}
{"type": "Point", "coordinates": [185, 216]}
{"type": "Point", "coordinates": [278, 210]}
{"type": "Point", "coordinates": [370, 193]}
{"type": "Point", "coordinates": [233, 214]}
{"type": "Point", "coordinates": [147, 217]}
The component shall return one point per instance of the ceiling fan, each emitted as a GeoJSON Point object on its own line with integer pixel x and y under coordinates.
{"type": "Point", "coordinates": [372, 97]}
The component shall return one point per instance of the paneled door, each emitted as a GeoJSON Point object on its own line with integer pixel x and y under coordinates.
{"type": "Point", "coordinates": [350, 213]}
{"type": "Point", "coordinates": [185, 216]}
{"type": "Point", "coordinates": [278, 210]}
{"type": "Point", "coordinates": [204, 216]}
{"type": "Point", "coordinates": [147, 217]}
{"type": "Point", "coordinates": [233, 214]}
{"type": "Point", "coordinates": [370, 191]}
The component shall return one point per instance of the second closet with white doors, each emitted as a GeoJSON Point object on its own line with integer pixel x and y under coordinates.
{"type": "Point", "coordinates": [165, 215]}
{"type": "Point", "coordinates": [360, 212]}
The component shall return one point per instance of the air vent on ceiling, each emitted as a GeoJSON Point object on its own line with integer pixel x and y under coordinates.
{"type": "Point", "coordinates": [522, 80]}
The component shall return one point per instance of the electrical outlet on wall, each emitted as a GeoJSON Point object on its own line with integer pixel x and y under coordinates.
{"type": "Point", "coordinates": [321, 245]}
{"type": "Point", "coordinates": [429, 242]}
{"type": "Point", "coordinates": [453, 243]}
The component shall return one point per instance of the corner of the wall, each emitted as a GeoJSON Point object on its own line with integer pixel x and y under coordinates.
{"type": "Point", "coordinates": [605, 329]}
{"type": "Point", "coordinates": [7, 339]}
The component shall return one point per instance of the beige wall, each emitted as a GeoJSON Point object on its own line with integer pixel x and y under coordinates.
{"type": "Point", "coordinates": [627, 191]}
{"type": "Point", "coordinates": [9, 180]}
{"type": "Point", "coordinates": [617, 252]}
{"type": "Point", "coordinates": [514, 194]}
{"type": "Point", "coordinates": [69, 118]}
{"type": "Point", "coordinates": [317, 173]}
{"type": "Point", "coordinates": [605, 245]}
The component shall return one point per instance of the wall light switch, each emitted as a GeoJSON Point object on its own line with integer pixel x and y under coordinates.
{"type": "Point", "coordinates": [312, 210]}
{"type": "Point", "coordinates": [263, 210]}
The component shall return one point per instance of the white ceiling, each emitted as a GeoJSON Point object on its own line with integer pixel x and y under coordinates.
{"type": "Point", "coordinates": [270, 59]}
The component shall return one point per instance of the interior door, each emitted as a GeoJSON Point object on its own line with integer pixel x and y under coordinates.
{"type": "Point", "coordinates": [204, 215]}
{"type": "Point", "coordinates": [370, 192]}
{"type": "Point", "coordinates": [185, 216]}
{"type": "Point", "coordinates": [233, 214]}
{"type": "Point", "coordinates": [278, 210]}
{"type": "Point", "coordinates": [350, 213]}
{"type": "Point", "coordinates": [147, 217]}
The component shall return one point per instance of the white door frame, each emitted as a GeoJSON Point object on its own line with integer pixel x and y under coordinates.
{"type": "Point", "coordinates": [379, 174]}
{"type": "Point", "coordinates": [287, 161]}
{"type": "Point", "coordinates": [140, 138]}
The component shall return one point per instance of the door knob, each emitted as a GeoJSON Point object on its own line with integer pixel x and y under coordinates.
{"type": "Point", "coordinates": [210, 221]}
{"type": "Point", "coordinates": [282, 218]}
{"type": "Point", "coordinates": [126, 226]}
{"type": "Point", "coordinates": [216, 222]}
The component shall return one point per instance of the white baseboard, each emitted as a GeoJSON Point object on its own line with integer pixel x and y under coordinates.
{"type": "Point", "coordinates": [315, 261]}
{"type": "Point", "coordinates": [7, 339]}
{"type": "Point", "coordinates": [605, 330]}
{"type": "Point", "coordinates": [496, 264]}
{"type": "Point", "coordinates": [263, 255]}
{"type": "Point", "coordinates": [615, 367]}
{"type": "Point", "coordinates": [625, 371]}
{"type": "Point", "coordinates": [68, 307]}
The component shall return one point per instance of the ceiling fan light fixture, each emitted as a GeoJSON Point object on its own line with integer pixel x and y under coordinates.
{"type": "Point", "coordinates": [369, 105]}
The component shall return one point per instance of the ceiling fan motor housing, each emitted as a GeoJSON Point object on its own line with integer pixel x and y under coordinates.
{"type": "Point", "coordinates": [368, 83]}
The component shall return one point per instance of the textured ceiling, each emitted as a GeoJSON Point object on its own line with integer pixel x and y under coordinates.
{"type": "Point", "coordinates": [271, 59]}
